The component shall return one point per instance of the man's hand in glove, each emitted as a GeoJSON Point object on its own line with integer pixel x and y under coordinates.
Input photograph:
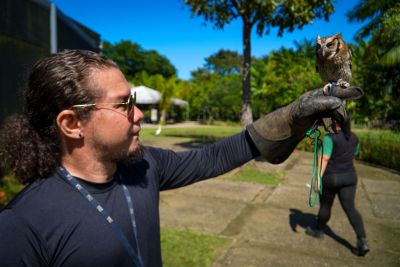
{"type": "Point", "coordinates": [277, 133]}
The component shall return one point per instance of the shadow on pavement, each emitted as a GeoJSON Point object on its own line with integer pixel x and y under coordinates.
{"type": "Point", "coordinates": [298, 218]}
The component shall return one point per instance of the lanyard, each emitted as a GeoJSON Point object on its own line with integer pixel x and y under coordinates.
{"type": "Point", "coordinates": [74, 182]}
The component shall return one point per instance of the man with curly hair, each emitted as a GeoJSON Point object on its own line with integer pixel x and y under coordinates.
{"type": "Point", "coordinates": [93, 190]}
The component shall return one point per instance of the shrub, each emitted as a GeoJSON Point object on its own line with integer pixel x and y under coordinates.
{"type": "Point", "coordinates": [379, 147]}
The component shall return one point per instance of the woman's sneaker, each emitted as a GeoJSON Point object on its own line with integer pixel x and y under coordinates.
{"type": "Point", "coordinates": [362, 247]}
{"type": "Point", "coordinates": [314, 232]}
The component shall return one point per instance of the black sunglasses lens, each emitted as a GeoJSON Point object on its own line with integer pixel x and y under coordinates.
{"type": "Point", "coordinates": [131, 104]}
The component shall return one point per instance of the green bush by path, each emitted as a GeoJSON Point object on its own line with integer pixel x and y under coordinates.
{"type": "Point", "coordinates": [381, 147]}
{"type": "Point", "coordinates": [185, 248]}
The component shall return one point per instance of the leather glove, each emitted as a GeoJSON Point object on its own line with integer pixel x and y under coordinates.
{"type": "Point", "coordinates": [277, 134]}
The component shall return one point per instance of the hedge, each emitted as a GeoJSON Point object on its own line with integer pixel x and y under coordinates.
{"type": "Point", "coordinates": [381, 147]}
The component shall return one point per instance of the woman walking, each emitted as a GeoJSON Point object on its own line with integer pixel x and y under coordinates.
{"type": "Point", "coordinates": [339, 178]}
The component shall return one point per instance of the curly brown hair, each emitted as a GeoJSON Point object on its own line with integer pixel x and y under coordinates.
{"type": "Point", "coordinates": [30, 142]}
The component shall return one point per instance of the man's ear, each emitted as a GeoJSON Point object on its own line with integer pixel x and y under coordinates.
{"type": "Point", "coordinates": [69, 124]}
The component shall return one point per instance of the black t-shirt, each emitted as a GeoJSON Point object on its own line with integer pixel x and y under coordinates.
{"type": "Point", "coordinates": [341, 160]}
{"type": "Point", "coordinates": [51, 224]}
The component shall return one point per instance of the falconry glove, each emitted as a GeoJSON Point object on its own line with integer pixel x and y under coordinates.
{"type": "Point", "coordinates": [277, 134]}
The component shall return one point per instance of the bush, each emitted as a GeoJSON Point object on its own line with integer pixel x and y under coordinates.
{"type": "Point", "coordinates": [379, 147]}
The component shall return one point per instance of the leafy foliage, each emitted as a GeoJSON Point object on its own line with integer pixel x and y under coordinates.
{"type": "Point", "coordinates": [384, 19]}
{"type": "Point", "coordinates": [286, 15]}
{"type": "Point", "coordinates": [281, 77]}
{"type": "Point", "coordinates": [133, 59]}
{"type": "Point", "coordinates": [225, 62]}
{"type": "Point", "coordinates": [377, 62]}
{"type": "Point", "coordinates": [215, 97]}
{"type": "Point", "coordinates": [374, 144]}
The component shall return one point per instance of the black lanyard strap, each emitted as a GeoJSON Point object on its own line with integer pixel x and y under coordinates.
{"type": "Point", "coordinates": [137, 260]}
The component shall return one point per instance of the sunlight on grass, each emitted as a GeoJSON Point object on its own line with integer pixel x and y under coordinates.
{"type": "Point", "coordinates": [251, 174]}
{"type": "Point", "coordinates": [185, 248]}
{"type": "Point", "coordinates": [212, 133]}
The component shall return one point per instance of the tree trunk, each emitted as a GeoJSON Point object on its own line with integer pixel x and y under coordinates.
{"type": "Point", "coordinates": [163, 118]}
{"type": "Point", "coordinates": [246, 116]}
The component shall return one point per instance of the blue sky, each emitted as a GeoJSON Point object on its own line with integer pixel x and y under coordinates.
{"type": "Point", "coordinates": [168, 27]}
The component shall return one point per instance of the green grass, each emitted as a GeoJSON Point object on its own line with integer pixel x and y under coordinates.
{"type": "Point", "coordinates": [204, 133]}
{"type": "Point", "coordinates": [185, 248]}
{"type": "Point", "coordinates": [251, 174]}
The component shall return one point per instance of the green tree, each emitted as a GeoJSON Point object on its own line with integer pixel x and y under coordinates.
{"type": "Point", "coordinates": [154, 63]}
{"type": "Point", "coordinates": [286, 15]}
{"type": "Point", "coordinates": [128, 56]}
{"type": "Point", "coordinates": [132, 59]}
{"type": "Point", "coordinates": [377, 59]}
{"type": "Point", "coordinates": [225, 62]}
{"type": "Point", "coordinates": [215, 97]}
{"type": "Point", "coordinates": [383, 21]}
{"type": "Point", "coordinates": [282, 76]}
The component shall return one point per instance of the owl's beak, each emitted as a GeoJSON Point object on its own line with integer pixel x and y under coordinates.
{"type": "Point", "coordinates": [323, 52]}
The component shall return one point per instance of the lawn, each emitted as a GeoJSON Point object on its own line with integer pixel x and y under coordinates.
{"type": "Point", "coordinates": [205, 133]}
{"type": "Point", "coordinates": [186, 248]}
{"type": "Point", "coordinates": [249, 173]}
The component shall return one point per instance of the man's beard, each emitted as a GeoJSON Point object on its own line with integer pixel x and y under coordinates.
{"type": "Point", "coordinates": [134, 156]}
{"type": "Point", "coordinates": [128, 158]}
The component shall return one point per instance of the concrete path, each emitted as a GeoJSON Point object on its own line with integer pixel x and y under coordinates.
{"type": "Point", "coordinates": [267, 224]}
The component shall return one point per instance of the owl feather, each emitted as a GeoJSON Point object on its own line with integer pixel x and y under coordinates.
{"type": "Point", "coordinates": [334, 67]}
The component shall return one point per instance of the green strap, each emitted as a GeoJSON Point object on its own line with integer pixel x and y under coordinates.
{"type": "Point", "coordinates": [314, 134]}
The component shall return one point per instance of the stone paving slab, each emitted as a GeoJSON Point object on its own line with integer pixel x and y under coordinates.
{"type": "Point", "coordinates": [267, 229]}
{"type": "Point", "coordinates": [382, 186]}
{"type": "Point", "coordinates": [204, 214]}
{"type": "Point", "coordinates": [221, 188]}
{"type": "Point", "coordinates": [386, 206]}
{"type": "Point", "coordinates": [296, 179]}
{"type": "Point", "coordinates": [286, 228]}
{"type": "Point", "coordinates": [375, 173]}
{"type": "Point", "coordinates": [258, 254]}
{"type": "Point", "coordinates": [383, 236]}
{"type": "Point", "coordinates": [289, 196]}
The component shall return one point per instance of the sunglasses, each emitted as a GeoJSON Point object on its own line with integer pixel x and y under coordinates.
{"type": "Point", "coordinates": [130, 104]}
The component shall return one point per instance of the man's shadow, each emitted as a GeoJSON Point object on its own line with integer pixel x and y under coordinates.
{"type": "Point", "coordinates": [298, 218]}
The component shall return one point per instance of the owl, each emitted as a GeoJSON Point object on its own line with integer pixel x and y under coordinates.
{"type": "Point", "coordinates": [334, 67]}
{"type": "Point", "coordinates": [333, 61]}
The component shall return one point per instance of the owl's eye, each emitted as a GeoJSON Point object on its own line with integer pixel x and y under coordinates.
{"type": "Point", "coordinates": [318, 46]}
{"type": "Point", "coordinates": [329, 45]}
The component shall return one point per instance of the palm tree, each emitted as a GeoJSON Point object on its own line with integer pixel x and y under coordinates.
{"type": "Point", "coordinates": [382, 28]}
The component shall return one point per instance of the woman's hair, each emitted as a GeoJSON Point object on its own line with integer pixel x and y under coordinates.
{"type": "Point", "coordinates": [345, 125]}
{"type": "Point", "coordinates": [30, 142]}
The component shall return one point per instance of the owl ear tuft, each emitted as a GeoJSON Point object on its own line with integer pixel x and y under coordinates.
{"type": "Point", "coordinates": [318, 38]}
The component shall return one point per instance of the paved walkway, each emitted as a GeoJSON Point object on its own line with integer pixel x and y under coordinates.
{"type": "Point", "coordinates": [266, 224]}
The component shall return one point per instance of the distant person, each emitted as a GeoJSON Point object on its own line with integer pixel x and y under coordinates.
{"type": "Point", "coordinates": [339, 177]}
{"type": "Point", "coordinates": [93, 193]}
